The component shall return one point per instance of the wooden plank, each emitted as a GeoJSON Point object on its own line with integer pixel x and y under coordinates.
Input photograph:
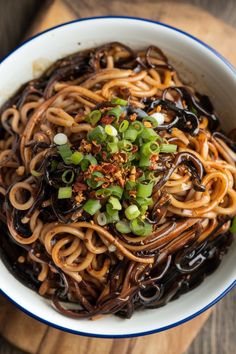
{"type": "Point", "coordinates": [35, 337]}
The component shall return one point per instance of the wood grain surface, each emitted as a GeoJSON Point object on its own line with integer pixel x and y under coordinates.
{"type": "Point", "coordinates": [41, 339]}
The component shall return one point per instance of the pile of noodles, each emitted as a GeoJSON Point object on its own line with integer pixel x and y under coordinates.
{"type": "Point", "coordinates": [95, 269]}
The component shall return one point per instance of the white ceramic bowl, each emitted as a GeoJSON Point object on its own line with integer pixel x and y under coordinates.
{"type": "Point", "coordinates": [198, 63]}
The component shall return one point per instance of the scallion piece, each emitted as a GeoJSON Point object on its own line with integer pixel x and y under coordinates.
{"type": "Point", "coordinates": [123, 227]}
{"type": "Point", "coordinates": [64, 192]}
{"type": "Point", "coordinates": [152, 147]}
{"type": "Point", "coordinates": [123, 126]}
{"type": "Point", "coordinates": [102, 219]}
{"type": "Point", "coordinates": [68, 176]}
{"type": "Point", "coordinates": [120, 101]}
{"type": "Point", "coordinates": [115, 203]}
{"type": "Point", "coordinates": [87, 160]}
{"type": "Point", "coordinates": [140, 227]}
{"type": "Point", "coordinates": [149, 134]}
{"type": "Point", "coordinates": [125, 145]}
{"type": "Point", "coordinates": [233, 225]}
{"type": "Point", "coordinates": [117, 191]}
{"type": "Point", "coordinates": [112, 147]}
{"type": "Point", "coordinates": [138, 126]}
{"type": "Point", "coordinates": [132, 212]}
{"type": "Point", "coordinates": [116, 112]}
{"type": "Point", "coordinates": [110, 130]}
{"type": "Point", "coordinates": [168, 148]}
{"type": "Point", "coordinates": [130, 185]}
{"type": "Point", "coordinates": [144, 190]}
{"type": "Point", "coordinates": [94, 117]}
{"type": "Point", "coordinates": [144, 201]}
{"type": "Point", "coordinates": [95, 180]}
{"type": "Point", "coordinates": [112, 215]}
{"type": "Point", "coordinates": [60, 139]}
{"type": "Point", "coordinates": [36, 173]}
{"type": "Point", "coordinates": [92, 206]}
{"type": "Point", "coordinates": [151, 120]}
{"type": "Point", "coordinates": [65, 152]}
{"type": "Point", "coordinates": [76, 157]}
{"type": "Point", "coordinates": [131, 134]}
{"type": "Point", "coordinates": [97, 134]}
{"type": "Point", "coordinates": [144, 161]}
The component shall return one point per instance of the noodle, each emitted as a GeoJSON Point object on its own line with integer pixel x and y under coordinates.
{"type": "Point", "coordinates": [117, 185]}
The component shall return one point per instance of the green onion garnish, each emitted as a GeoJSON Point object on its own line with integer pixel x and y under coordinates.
{"type": "Point", "coordinates": [119, 101]}
{"type": "Point", "coordinates": [131, 134]}
{"type": "Point", "coordinates": [76, 157]}
{"type": "Point", "coordinates": [68, 176]}
{"type": "Point", "coordinates": [130, 185]}
{"type": "Point", "coordinates": [137, 126]}
{"type": "Point", "coordinates": [123, 227]}
{"type": "Point", "coordinates": [123, 126]}
{"type": "Point", "coordinates": [125, 145]}
{"type": "Point", "coordinates": [151, 120]}
{"type": "Point", "coordinates": [64, 192]}
{"type": "Point", "coordinates": [168, 148]}
{"type": "Point", "coordinates": [94, 181]}
{"type": "Point", "coordinates": [92, 206]}
{"type": "Point", "coordinates": [116, 111]}
{"type": "Point", "coordinates": [140, 227]}
{"type": "Point", "coordinates": [65, 152]}
{"type": "Point", "coordinates": [36, 173]}
{"type": "Point", "coordinates": [88, 160]}
{"type": "Point", "coordinates": [102, 219]}
{"type": "Point", "coordinates": [150, 148]}
{"type": "Point", "coordinates": [144, 161]}
{"type": "Point", "coordinates": [233, 225]}
{"type": "Point", "coordinates": [60, 139]}
{"type": "Point", "coordinates": [149, 134]}
{"type": "Point", "coordinates": [132, 212]}
{"type": "Point", "coordinates": [144, 190]}
{"type": "Point", "coordinates": [112, 147]}
{"type": "Point", "coordinates": [117, 191]}
{"type": "Point", "coordinates": [110, 130]}
{"type": "Point", "coordinates": [97, 134]}
{"type": "Point", "coordinates": [115, 203]}
{"type": "Point", "coordinates": [111, 214]}
{"type": "Point", "coordinates": [94, 117]}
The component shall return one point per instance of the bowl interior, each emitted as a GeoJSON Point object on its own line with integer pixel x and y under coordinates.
{"type": "Point", "coordinates": [197, 65]}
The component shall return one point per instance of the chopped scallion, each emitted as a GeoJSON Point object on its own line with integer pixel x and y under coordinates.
{"type": "Point", "coordinates": [152, 147]}
{"type": "Point", "coordinates": [116, 112]}
{"type": "Point", "coordinates": [131, 134]}
{"type": "Point", "coordinates": [119, 101]}
{"type": "Point", "coordinates": [115, 203]}
{"type": "Point", "coordinates": [123, 126]}
{"type": "Point", "coordinates": [65, 152]}
{"type": "Point", "coordinates": [123, 227]}
{"type": "Point", "coordinates": [76, 157]}
{"type": "Point", "coordinates": [110, 130]}
{"type": "Point", "coordinates": [144, 190]}
{"type": "Point", "coordinates": [233, 225]}
{"type": "Point", "coordinates": [140, 227]}
{"type": "Point", "coordinates": [132, 212]}
{"type": "Point", "coordinates": [168, 148]}
{"type": "Point", "coordinates": [68, 176]}
{"type": "Point", "coordinates": [97, 134]}
{"type": "Point", "coordinates": [64, 192]}
{"type": "Point", "coordinates": [94, 117]}
{"type": "Point", "coordinates": [92, 206]}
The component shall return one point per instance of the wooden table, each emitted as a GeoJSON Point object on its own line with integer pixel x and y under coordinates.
{"type": "Point", "coordinates": [38, 339]}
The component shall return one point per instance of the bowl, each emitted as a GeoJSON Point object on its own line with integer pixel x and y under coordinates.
{"type": "Point", "coordinates": [199, 65]}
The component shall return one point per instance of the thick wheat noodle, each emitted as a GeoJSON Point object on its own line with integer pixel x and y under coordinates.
{"type": "Point", "coordinates": [106, 75]}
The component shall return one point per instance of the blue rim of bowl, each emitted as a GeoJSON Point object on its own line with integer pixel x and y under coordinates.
{"type": "Point", "coordinates": [218, 298]}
